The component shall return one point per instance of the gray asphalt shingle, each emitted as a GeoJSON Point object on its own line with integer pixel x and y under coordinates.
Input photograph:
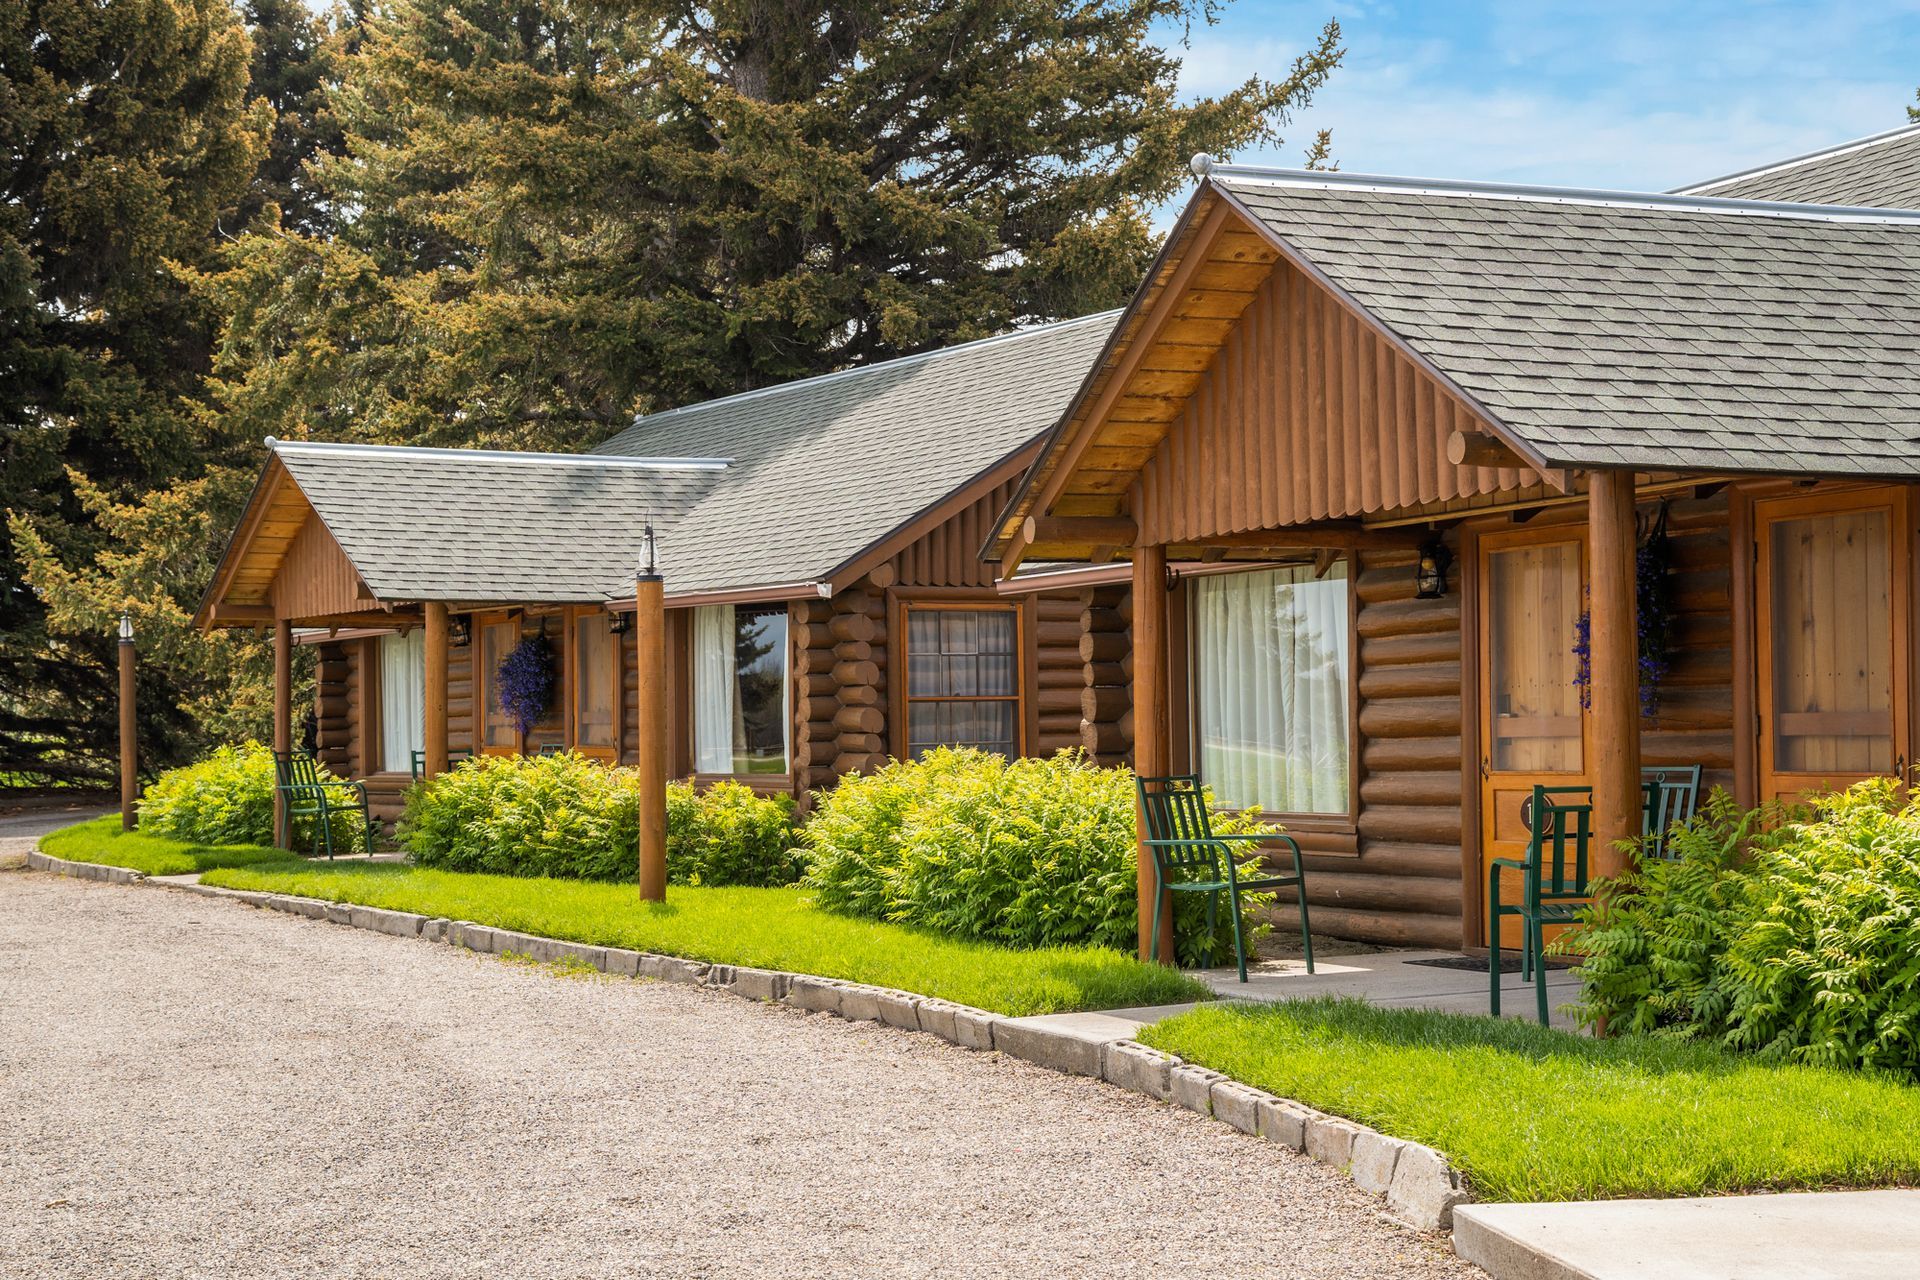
{"type": "Point", "coordinates": [1664, 336]}
{"type": "Point", "coordinates": [1878, 172]}
{"type": "Point", "coordinates": [827, 467]}
{"type": "Point", "coordinates": [456, 524]}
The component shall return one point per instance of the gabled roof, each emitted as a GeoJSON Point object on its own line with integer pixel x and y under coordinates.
{"type": "Point", "coordinates": [1882, 170]}
{"type": "Point", "coordinates": [1613, 329]}
{"type": "Point", "coordinates": [1588, 328]}
{"type": "Point", "coordinates": [479, 526]}
{"type": "Point", "coordinates": [825, 469]}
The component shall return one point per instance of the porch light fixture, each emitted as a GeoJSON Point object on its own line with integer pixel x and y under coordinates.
{"type": "Point", "coordinates": [649, 561]}
{"type": "Point", "coordinates": [619, 623]}
{"type": "Point", "coordinates": [126, 629]}
{"type": "Point", "coordinates": [1430, 575]}
{"type": "Point", "coordinates": [459, 631]}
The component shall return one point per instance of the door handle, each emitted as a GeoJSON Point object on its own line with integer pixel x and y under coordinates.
{"type": "Point", "coordinates": [1484, 771]}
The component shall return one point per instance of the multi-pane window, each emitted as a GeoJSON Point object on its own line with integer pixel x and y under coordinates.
{"type": "Point", "coordinates": [595, 689]}
{"type": "Point", "coordinates": [403, 685]}
{"type": "Point", "coordinates": [1270, 689]}
{"type": "Point", "coordinates": [499, 735]}
{"type": "Point", "coordinates": [740, 690]}
{"type": "Point", "coordinates": [963, 679]}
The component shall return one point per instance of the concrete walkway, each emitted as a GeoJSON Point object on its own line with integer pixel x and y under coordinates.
{"type": "Point", "coordinates": [1397, 979]}
{"type": "Point", "coordinates": [196, 1088]}
{"type": "Point", "coordinates": [1839, 1235]}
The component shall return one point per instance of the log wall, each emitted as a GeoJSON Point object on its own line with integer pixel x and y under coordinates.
{"type": "Point", "coordinates": [1058, 677]}
{"type": "Point", "coordinates": [1106, 673]}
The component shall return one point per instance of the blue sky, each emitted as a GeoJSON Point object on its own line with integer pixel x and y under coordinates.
{"type": "Point", "coordinates": [1634, 94]}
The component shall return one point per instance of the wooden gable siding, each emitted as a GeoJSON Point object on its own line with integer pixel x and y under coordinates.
{"type": "Point", "coordinates": [315, 579]}
{"type": "Point", "coordinates": [280, 513]}
{"type": "Point", "coordinates": [1306, 413]}
{"type": "Point", "coordinates": [949, 554]}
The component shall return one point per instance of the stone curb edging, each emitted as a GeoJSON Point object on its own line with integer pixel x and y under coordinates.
{"type": "Point", "coordinates": [38, 861]}
{"type": "Point", "coordinates": [1420, 1188]}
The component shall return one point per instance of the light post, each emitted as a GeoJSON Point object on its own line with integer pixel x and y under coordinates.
{"type": "Point", "coordinates": [650, 703]}
{"type": "Point", "coordinates": [129, 731]}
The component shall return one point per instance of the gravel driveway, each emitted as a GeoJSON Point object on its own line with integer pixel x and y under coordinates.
{"type": "Point", "coordinates": [192, 1087]}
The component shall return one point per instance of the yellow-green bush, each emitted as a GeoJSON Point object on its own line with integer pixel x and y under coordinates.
{"type": "Point", "coordinates": [1793, 935]}
{"type": "Point", "coordinates": [565, 815]}
{"type": "Point", "coordinates": [227, 798]}
{"type": "Point", "coordinates": [1028, 853]}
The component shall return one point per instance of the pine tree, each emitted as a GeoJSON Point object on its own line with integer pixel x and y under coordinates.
{"type": "Point", "coordinates": [126, 130]}
{"type": "Point", "coordinates": [569, 211]}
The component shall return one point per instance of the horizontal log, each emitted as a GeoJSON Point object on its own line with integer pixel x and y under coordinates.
{"type": "Point", "coordinates": [860, 695]}
{"type": "Point", "coordinates": [1435, 679]}
{"type": "Point", "coordinates": [815, 684]}
{"type": "Point", "coordinates": [1477, 449]}
{"type": "Point", "coordinates": [851, 719]}
{"type": "Point", "coordinates": [1410, 617]}
{"type": "Point", "coordinates": [1711, 750]}
{"type": "Point", "coordinates": [1387, 857]}
{"type": "Point", "coordinates": [1414, 824]}
{"type": "Point", "coordinates": [1057, 633]}
{"type": "Point", "coordinates": [1441, 751]}
{"type": "Point", "coordinates": [1058, 608]}
{"type": "Point", "coordinates": [868, 743]}
{"type": "Point", "coordinates": [1104, 646]}
{"type": "Point", "coordinates": [1097, 674]}
{"type": "Point", "coordinates": [1103, 702]}
{"type": "Point", "coordinates": [1360, 891]}
{"type": "Point", "coordinates": [882, 576]}
{"type": "Point", "coordinates": [855, 601]}
{"type": "Point", "coordinates": [853, 651]}
{"type": "Point", "coordinates": [1072, 677]}
{"type": "Point", "coordinates": [814, 635]}
{"type": "Point", "coordinates": [1057, 699]}
{"type": "Point", "coordinates": [858, 762]}
{"type": "Point", "coordinates": [1095, 531]}
{"type": "Point", "coordinates": [1383, 582]}
{"type": "Point", "coordinates": [1388, 928]}
{"type": "Point", "coordinates": [1053, 743]}
{"type": "Point", "coordinates": [1104, 738]}
{"type": "Point", "coordinates": [853, 627]}
{"type": "Point", "coordinates": [1411, 787]}
{"type": "Point", "coordinates": [846, 673]}
{"type": "Point", "coordinates": [1410, 718]}
{"type": "Point", "coordinates": [820, 728]}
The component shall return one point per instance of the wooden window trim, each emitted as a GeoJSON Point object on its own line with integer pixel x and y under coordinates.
{"type": "Point", "coordinates": [1182, 713]}
{"type": "Point", "coordinates": [570, 683]}
{"type": "Point", "coordinates": [680, 661]}
{"type": "Point", "coordinates": [1756, 507]}
{"type": "Point", "coordinates": [483, 681]}
{"type": "Point", "coordinates": [901, 603]}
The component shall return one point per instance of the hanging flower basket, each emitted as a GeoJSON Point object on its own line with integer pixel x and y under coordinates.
{"type": "Point", "coordinates": [524, 681]}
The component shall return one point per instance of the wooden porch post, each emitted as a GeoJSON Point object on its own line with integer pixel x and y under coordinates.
{"type": "Point", "coordinates": [435, 712]}
{"type": "Point", "coordinates": [282, 719]}
{"type": "Point", "coordinates": [1618, 802]}
{"type": "Point", "coordinates": [651, 703]}
{"type": "Point", "coordinates": [129, 728]}
{"type": "Point", "coordinates": [1150, 747]}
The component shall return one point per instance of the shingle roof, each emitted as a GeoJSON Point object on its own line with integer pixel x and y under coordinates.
{"type": "Point", "coordinates": [825, 468]}
{"type": "Point", "coordinates": [1882, 171]}
{"type": "Point", "coordinates": [1649, 331]}
{"type": "Point", "coordinates": [470, 525]}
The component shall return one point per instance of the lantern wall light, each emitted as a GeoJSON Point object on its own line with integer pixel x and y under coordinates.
{"type": "Point", "coordinates": [1430, 573]}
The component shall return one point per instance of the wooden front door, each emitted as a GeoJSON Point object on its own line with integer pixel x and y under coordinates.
{"type": "Point", "coordinates": [1532, 726]}
{"type": "Point", "coordinates": [1832, 573]}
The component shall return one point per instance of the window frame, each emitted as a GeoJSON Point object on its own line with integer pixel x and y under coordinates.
{"type": "Point", "coordinates": [687, 663]}
{"type": "Point", "coordinates": [483, 679]}
{"type": "Point", "coordinates": [1184, 712]}
{"type": "Point", "coordinates": [900, 650]}
{"type": "Point", "coordinates": [570, 664]}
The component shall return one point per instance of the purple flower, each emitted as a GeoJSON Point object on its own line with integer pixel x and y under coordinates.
{"type": "Point", "coordinates": [525, 681]}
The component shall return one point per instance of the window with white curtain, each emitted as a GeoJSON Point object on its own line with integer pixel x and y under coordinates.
{"type": "Point", "coordinates": [403, 699]}
{"type": "Point", "coordinates": [1270, 694]}
{"type": "Point", "coordinates": [740, 690]}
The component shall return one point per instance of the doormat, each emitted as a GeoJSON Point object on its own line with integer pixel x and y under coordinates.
{"type": "Point", "coordinates": [1509, 963]}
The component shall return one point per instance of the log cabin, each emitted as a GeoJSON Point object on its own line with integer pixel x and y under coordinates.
{"type": "Point", "coordinates": [1381, 470]}
{"type": "Point", "coordinates": [827, 603]}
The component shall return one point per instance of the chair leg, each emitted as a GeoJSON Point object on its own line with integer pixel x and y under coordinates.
{"type": "Point", "coordinates": [1540, 970]}
{"type": "Point", "coordinates": [1300, 891]}
{"type": "Point", "coordinates": [1239, 944]}
{"type": "Point", "coordinates": [1153, 943]}
{"type": "Point", "coordinates": [325, 819]}
{"type": "Point", "coordinates": [366, 825]}
{"type": "Point", "coordinates": [1213, 927]}
{"type": "Point", "coordinates": [1493, 943]}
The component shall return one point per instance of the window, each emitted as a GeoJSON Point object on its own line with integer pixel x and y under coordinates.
{"type": "Point", "coordinates": [596, 675]}
{"type": "Point", "coordinates": [963, 679]}
{"type": "Point", "coordinates": [1534, 598]}
{"type": "Point", "coordinates": [739, 690]}
{"type": "Point", "coordinates": [1270, 689]}
{"type": "Point", "coordinates": [403, 699]}
{"type": "Point", "coordinates": [498, 734]}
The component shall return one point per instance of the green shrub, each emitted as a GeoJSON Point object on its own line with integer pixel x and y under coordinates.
{"type": "Point", "coordinates": [567, 816]}
{"type": "Point", "coordinates": [227, 798]}
{"type": "Point", "coordinates": [1794, 935]}
{"type": "Point", "coordinates": [1026, 853]}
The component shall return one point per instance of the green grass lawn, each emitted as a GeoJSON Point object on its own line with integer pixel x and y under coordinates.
{"type": "Point", "coordinates": [1534, 1114]}
{"type": "Point", "coordinates": [763, 928]}
{"type": "Point", "coordinates": [102, 840]}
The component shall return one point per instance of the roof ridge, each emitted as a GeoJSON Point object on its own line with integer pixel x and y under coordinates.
{"type": "Point", "coordinates": [494, 455]}
{"type": "Point", "coordinates": [1807, 157]}
{"type": "Point", "coordinates": [1518, 191]}
{"type": "Point", "coordinates": [918, 357]}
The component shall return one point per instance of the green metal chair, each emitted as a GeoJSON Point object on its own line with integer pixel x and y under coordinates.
{"type": "Point", "coordinates": [454, 756]}
{"type": "Point", "coordinates": [1188, 857]}
{"type": "Point", "coordinates": [308, 795]}
{"type": "Point", "coordinates": [1673, 795]}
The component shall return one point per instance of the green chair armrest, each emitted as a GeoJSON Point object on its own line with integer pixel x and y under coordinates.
{"type": "Point", "coordinates": [1513, 863]}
